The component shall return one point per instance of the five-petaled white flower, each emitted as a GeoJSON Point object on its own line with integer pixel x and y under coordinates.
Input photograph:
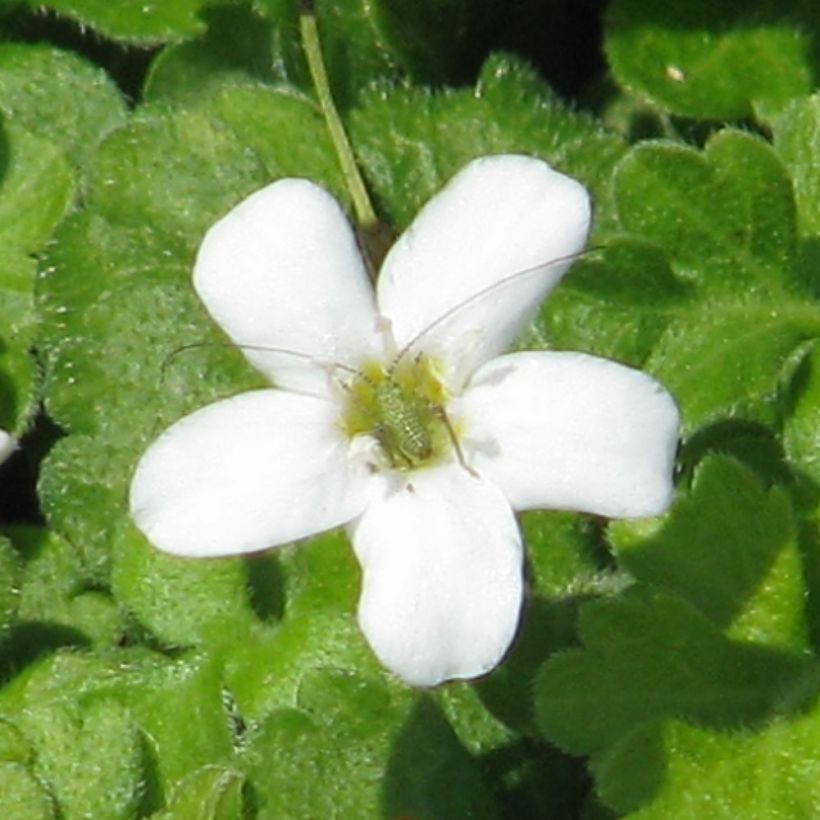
{"type": "Point", "coordinates": [395, 414]}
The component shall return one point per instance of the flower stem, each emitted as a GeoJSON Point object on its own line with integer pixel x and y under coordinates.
{"type": "Point", "coordinates": [365, 215]}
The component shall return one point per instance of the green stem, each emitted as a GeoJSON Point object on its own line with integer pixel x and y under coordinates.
{"type": "Point", "coordinates": [365, 215]}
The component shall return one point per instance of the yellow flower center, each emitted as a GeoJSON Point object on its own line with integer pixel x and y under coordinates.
{"type": "Point", "coordinates": [402, 408]}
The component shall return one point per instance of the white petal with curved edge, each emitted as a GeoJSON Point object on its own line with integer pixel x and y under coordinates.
{"type": "Point", "coordinates": [250, 472]}
{"type": "Point", "coordinates": [479, 258]}
{"type": "Point", "coordinates": [283, 269]}
{"type": "Point", "coordinates": [442, 576]}
{"type": "Point", "coordinates": [573, 432]}
{"type": "Point", "coordinates": [8, 444]}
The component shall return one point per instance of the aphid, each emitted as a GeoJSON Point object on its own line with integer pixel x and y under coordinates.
{"type": "Point", "coordinates": [402, 423]}
{"type": "Point", "coordinates": [402, 404]}
{"type": "Point", "coordinates": [399, 416]}
{"type": "Point", "coordinates": [403, 407]}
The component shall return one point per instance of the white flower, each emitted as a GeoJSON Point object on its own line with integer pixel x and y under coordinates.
{"type": "Point", "coordinates": [7, 445]}
{"type": "Point", "coordinates": [432, 525]}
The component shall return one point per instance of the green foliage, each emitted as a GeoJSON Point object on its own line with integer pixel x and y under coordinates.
{"type": "Point", "coordinates": [23, 796]}
{"type": "Point", "coordinates": [134, 21]}
{"type": "Point", "coordinates": [59, 97]}
{"type": "Point", "coordinates": [379, 756]}
{"type": "Point", "coordinates": [713, 633]}
{"type": "Point", "coordinates": [712, 60]}
{"type": "Point", "coordinates": [729, 304]}
{"type": "Point", "coordinates": [796, 139]}
{"type": "Point", "coordinates": [55, 108]}
{"type": "Point", "coordinates": [53, 591]}
{"type": "Point", "coordinates": [210, 793]}
{"type": "Point", "coordinates": [750, 586]}
{"type": "Point", "coordinates": [35, 191]}
{"type": "Point", "coordinates": [9, 572]}
{"type": "Point", "coordinates": [100, 739]}
{"type": "Point", "coordinates": [181, 602]}
{"type": "Point", "coordinates": [664, 668]}
{"type": "Point", "coordinates": [759, 775]}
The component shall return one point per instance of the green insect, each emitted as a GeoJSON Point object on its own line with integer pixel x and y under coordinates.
{"type": "Point", "coordinates": [404, 425]}
{"type": "Point", "coordinates": [403, 407]}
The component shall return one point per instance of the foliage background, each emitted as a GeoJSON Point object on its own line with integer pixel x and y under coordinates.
{"type": "Point", "coordinates": [666, 668]}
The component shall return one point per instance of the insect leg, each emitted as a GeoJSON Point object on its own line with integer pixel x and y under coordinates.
{"type": "Point", "coordinates": [445, 419]}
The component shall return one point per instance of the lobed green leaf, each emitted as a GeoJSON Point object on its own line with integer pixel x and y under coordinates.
{"type": "Point", "coordinates": [135, 21]}
{"type": "Point", "coordinates": [711, 60]}
{"type": "Point", "coordinates": [378, 755]}
{"type": "Point", "coordinates": [759, 775]}
{"type": "Point", "coordinates": [729, 548]}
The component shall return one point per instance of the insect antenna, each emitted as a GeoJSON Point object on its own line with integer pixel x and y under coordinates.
{"type": "Point", "coordinates": [236, 346]}
{"type": "Point", "coordinates": [480, 294]}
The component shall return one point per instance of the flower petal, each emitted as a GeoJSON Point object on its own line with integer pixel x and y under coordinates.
{"type": "Point", "coordinates": [283, 270]}
{"type": "Point", "coordinates": [442, 584]}
{"type": "Point", "coordinates": [479, 258]}
{"type": "Point", "coordinates": [8, 444]}
{"type": "Point", "coordinates": [250, 472]}
{"type": "Point", "coordinates": [573, 432]}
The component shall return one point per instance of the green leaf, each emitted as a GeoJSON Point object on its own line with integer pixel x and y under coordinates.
{"type": "Point", "coordinates": [179, 172]}
{"type": "Point", "coordinates": [561, 552]}
{"type": "Point", "coordinates": [182, 602]}
{"type": "Point", "coordinates": [135, 21]}
{"type": "Point", "coordinates": [54, 595]}
{"type": "Point", "coordinates": [801, 429]}
{"type": "Point", "coordinates": [797, 140]}
{"type": "Point", "coordinates": [729, 548]}
{"type": "Point", "coordinates": [18, 374]}
{"type": "Point", "coordinates": [726, 360]}
{"type": "Point", "coordinates": [9, 580]}
{"type": "Point", "coordinates": [78, 490]}
{"type": "Point", "coordinates": [756, 775]}
{"type": "Point", "coordinates": [616, 305]}
{"type": "Point", "coordinates": [198, 68]}
{"type": "Point", "coordinates": [176, 173]}
{"type": "Point", "coordinates": [209, 793]}
{"type": "Point", "coordinates": [320, 579]}
{"type": "Point", "coordinates": [649, 655]}
{"type": "Point", "coordinates": [37, 188]}
{"type": "Point", "coordinates": [71, 743]}
{"type": "Point", "coordinates": [378, 755]}
{"type": "Point", "coordinates": [285, 131]}
{"type": "Point", "coordinates": [23, 795]}
{"type": "Point", "coordinates": [725, 217]}
{"type": "Point", "coordinates": [14, 748]}
{"type": "Point", "coordinates": [59, 97]}
{"type": "Point", "coordinates": [177, 706]}
{"type": "Point", "coordinates": [183, 709]}
{"type": "Point", "coordinates": [714, 60]}
{"type": "Point", "coordinates": [470, 715]}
